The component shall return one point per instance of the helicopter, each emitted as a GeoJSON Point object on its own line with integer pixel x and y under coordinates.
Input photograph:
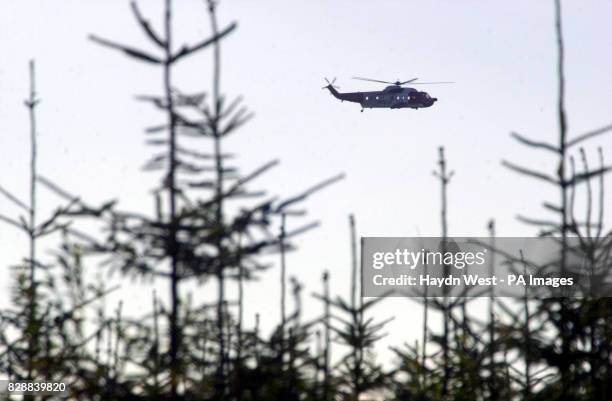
{"type": "Point", "coordinates": [394, 96]}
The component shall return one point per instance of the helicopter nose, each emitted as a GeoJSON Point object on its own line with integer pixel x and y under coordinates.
{"type": "Point", "coordinates": [435, 99]}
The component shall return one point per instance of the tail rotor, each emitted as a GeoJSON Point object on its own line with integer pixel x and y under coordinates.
{"type": "Point", "coordinates": [330, 84]}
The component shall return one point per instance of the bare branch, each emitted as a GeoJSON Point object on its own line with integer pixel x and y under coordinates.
{"type": "Point", "coordinates": [579, 178]}
{"type": "Point", "coordinates": [241, 118]}
{"type": "Point", "coordinates": [14, 199]}
{"type": "Point", "coordinates": [13, 222]}
{"type": "Point", "coordinates": [253, 175]}
{"type": "Point", "coordinates": [552, 207]}
{"type": "Point", "coordinates": [302, 229]}
{"type": "Point", "coordinates": [588, 135]}
{"type": "Point", "coordinates": [536, 222]}
{"type": "Point", "coordinates": [136, 53]}
{"type": "Point", "coordinates": [535, 144]}
{"type": "Point", "coordinates": [186, 50]}
{"type": "Point", "coordinates": [146, 26]}
{"type": "Point", "coordinates": [54, 188]}
{"type": "Point", "coordinates": [309, 192]}
{"type": "Point", "coordinates": [529, 172]}
{"type": "Point", "coordinates": [601, 193]}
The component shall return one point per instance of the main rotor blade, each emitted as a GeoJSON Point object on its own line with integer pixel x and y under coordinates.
{"type": "Point", "coordinates": [373, 80]}
{"type": "Point", "coordinates": [407, 82]}
{"type": "Point", "coordinates": [433, 83]}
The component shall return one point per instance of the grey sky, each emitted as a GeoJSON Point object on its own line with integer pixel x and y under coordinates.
{"type": "Point", "coordinates": [501, 54]}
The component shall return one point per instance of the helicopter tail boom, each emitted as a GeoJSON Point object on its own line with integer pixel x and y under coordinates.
{"type": "Point", "coordinates": [333, 91]}
{"type": "Point", "coordinates": [348, 96]}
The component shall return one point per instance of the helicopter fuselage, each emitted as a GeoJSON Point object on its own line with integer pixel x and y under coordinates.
{"type": "Point", "coordinates": [392, 97]}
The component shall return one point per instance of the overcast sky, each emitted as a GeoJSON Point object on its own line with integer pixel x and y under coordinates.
{"type": "Point", "coordinates": [500, 54]}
